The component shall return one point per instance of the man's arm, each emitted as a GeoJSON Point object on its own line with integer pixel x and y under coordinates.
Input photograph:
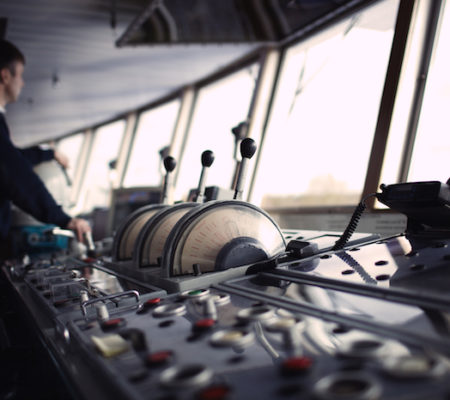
{"type": "Point", "coordinates": [35, 155]}
{"type": "Point", "coordinates": [25, 189]}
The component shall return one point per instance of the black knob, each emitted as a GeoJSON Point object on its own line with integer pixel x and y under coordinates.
{"type": "Point", "coordinates": [169, 163]}
{"type": "Point", "coordinates": [207, 158]}
{"type": "Point", "coordinates": [248, 148]}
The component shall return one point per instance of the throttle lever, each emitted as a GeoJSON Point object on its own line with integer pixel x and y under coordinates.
{"type": "Point", "coordinates": [248, 149]}
{"type": "Point", "coordinates": [169, 165]}
{"type": "Point", "coordinates": [207, 160]}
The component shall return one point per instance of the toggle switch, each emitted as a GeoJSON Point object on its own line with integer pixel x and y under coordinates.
{"type": "Point", "coordinates": [289, 328]}
{"type": "Point", "coordinates": [102, 311]}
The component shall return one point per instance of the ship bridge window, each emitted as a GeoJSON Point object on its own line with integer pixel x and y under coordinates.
{"type": "Point", "coordinates": [219, 107]}
{"type": "Point", "coordinates": [426, 150]}
{"type": "Point", "coordinates": [154, 132]}
{"type": "Point", "coordinates": [96, 186]}
{"type": "Point", "coordinates": [71, 147]}
{"type": "Point", "coordinates": [320, 131]}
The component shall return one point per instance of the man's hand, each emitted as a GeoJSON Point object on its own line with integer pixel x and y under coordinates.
{"type": "Point", "coordinates": [80, 227]}
{"type": "Point", "coordinates": [61, 159]}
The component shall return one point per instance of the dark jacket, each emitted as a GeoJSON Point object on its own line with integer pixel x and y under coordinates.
{"type": "Point", "coordinates": [20, 185]}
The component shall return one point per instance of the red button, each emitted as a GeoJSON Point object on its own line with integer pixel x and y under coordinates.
{"type": "Point", "coordinates": [58, 303]}
{"type": "Point", "coordinates": [159, 358]}
{"type": "Point", "coordinates": [215, 392]}
{"type": "Point", "coordinates": [152, 302]}
{"type": "Point", "coordinates": [204, 324]}
{"type": "Point", "coordinates": [296, 365]}
{"type": "Point", "coordinates": [113, 323]}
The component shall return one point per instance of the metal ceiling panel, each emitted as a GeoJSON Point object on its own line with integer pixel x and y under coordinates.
{"type": "Point", "coordinates": [75, 76]}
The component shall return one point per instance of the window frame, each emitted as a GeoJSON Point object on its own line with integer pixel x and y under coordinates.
{"type": "Point", "coordinates": [188, 95]}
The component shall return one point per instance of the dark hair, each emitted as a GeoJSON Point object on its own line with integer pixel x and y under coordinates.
{"type": "Point", "coordinates": [9, 56]}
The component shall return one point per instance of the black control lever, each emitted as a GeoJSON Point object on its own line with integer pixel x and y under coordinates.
{"type": "Point", "coordinates": [207, 160]}
{"type": "Point", "coordinates": [169, 165]}
{"type": "Point", "coordinates": [248, 149]}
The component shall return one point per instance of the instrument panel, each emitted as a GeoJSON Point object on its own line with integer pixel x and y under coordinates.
{"type": "Point", "coordinates": [357, 323]}
{"type": "Point", "coordinates": [213, 301]}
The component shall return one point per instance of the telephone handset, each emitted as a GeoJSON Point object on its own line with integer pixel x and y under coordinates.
{"type": "Point", "coordinates": [426, 204]}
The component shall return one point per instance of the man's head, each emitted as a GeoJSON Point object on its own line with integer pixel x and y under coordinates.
{"type": "Point", "coordinates": [12, 63]}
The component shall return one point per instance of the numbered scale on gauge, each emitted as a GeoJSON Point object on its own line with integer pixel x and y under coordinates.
{"type": "Point", "coordinates": [152, 236]}
{"type": "Point", "coordinates": [221, 235]}
{"type": "Point", "coordinates": [127, 234]}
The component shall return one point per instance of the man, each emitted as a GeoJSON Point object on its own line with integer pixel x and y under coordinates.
{"type": "Point", "coordinates": [19, 184]}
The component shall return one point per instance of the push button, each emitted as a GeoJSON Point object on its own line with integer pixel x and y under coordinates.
{"type": "Point", "coordinates": [186, 376]}
{"type": "Point", "coordinates": [169, 310]}
{"type": "Point", "coordinates": [232, 338]}
{"type": "Point", "coordinates": [59, 303]}
{"type": "Point", "coordinates": [413, 366]}
{"type": "Point", "coordinates": [296, 365]}
{"type": "Point", "coordinates": [195, 293]}
{"type": "Point", "coordinates": [159, 358]}
{"type": "Point", "coordinates": [152, 302]}
{"type": "Point", "coordinates": [149, 304]}
{"type": "Point", "coordinates": [112, 323]}
{"type": "Point", "coordinates": [214, 392]}
{"type": "Point", "coordinates": [111, 345]}
{"type": "Point", "coordinates": [204, 324]}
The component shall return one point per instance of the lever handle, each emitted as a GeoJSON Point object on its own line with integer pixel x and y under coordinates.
{"type": "Point", "coordinates": [248, 149]}
{"type": "Point", "coordinates": [89, 241]}
{"type": "Point", "coordinates": [207, 160]}
{"type": "Point", "coordinates": [169, 165]}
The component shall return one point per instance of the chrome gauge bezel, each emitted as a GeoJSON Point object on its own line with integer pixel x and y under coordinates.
{"type": "Point", "coordinates": [126, 226]}
{"type": "Point", "coordinates": [149, 230]}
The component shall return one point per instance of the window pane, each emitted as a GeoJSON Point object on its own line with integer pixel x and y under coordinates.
{"type": "Point", "coordinates": [432, 146]}
{"type": "Point", "coordinates": [322, 123]}
{"type": "Point", "coordinates": [96, 187]}
{"type": "Point", "coordinates": [219, 107]}
{"type": "Point", "coordinates": [154, 131]}
{"type": "Point", "coordinates": [71, 148]}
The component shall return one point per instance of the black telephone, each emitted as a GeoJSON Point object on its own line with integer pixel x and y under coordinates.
{"type": "Point", "coordinates": [426, 204]}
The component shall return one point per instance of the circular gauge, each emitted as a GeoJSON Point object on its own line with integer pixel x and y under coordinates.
{"type": "Point", "coordinates": [220, 235]}
{"type": "Point", "coordinates": [129, 229]}
{"type": "Point", "coordinates": [152, 236]}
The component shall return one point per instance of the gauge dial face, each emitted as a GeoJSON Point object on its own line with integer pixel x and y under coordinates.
{"type": "Point", "coordinates": [131, 233]}
{"type": "Point", "coordinates": [155, 240]}
{"type": "Point", "coordinates": [205, 236]}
